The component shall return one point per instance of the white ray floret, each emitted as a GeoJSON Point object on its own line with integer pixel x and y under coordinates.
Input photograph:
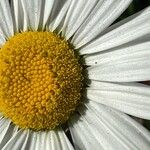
{"type": "Point", "coordinates": [105, 128]}
{"type": "Point", "coordinates": [122, 32]}
{"type": "Point", "coordinates": [76, 15]}
{"type": "Point", "coordinates": [102, 16]}
{"type": "Point", "coordinates": [125, 64]}
{"type": "Point", "coordinates": [48, 6]}
{"type": "Point", "coordinates": [17, 14]}
{"type": "Point", "coordinates": [7, 131]}
{"type": "Point", "coordinates": [6, 22]}
{"type": "Point", "coordinates": [18, 141]}
{"type": "Point", "coordinates": [131, 98]}
{"type": "Point", "coordinates": [58, 14]}
{"type": "Point", "coordinates": [2, 39]}
{"type": "Point", "coordinates": [49, 140]}
{"type": "Point", "coordinates": [32, 14]}
{"type": "Point", "coordinates": [4, 126]}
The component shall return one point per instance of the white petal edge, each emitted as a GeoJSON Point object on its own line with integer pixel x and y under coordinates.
{"type": "Point", "coordinates": [48, 5]}
{"type": "Point", "coordinates": [2, 39]}
{"type": "Point", "coordinates": [76, 15]}
{"type": "Point", "coordinates": [17, 15]}
{"type": "Point", "coordinates": [38, 141]}
{"type": "Point", "coordinates": [54, 140]}
{"type": "Point", "coordinates": [32, 14]}
{"type": "Point", "coordinates": [7, 131]}
{"type": "Point", "coordinates": [103, 15]}
{"type": "Point", "coordinates": [83, 139]}
{"type": "Point", "coordinates": [18, 141]}
{"type": "Point", "coordinates": [104, 128]}
{"type": "Point", "coordinates": [121, 65]}
{"type": "Point", "coordinates": [122, 54]}
{"type": "Point", "coordinates": [4, 126]}
{"type": "Point", "coordinates": [59, 11]}
{"type": "Point", "coordinates": [130, 98]}
{"type": "Point", "coordinates": [6, 22]}
{"type": "Point", "coordinates": [125, 71]}
{"type": "Point", "coordinates": [66, 145]}
{"type": "Point", "coordinates": [122, 32]}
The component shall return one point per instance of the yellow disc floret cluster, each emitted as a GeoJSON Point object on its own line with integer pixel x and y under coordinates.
{"type": "Point", "coordinates": [40, 80]}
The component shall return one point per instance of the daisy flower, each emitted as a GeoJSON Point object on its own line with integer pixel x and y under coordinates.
{"type": "Point", "coordinates": [70, 79]}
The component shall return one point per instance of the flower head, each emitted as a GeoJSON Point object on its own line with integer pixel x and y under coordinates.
{"type": "Point", "coordinates": [41, 80]}
{"type": "Point", "coordinates": [65, 68]}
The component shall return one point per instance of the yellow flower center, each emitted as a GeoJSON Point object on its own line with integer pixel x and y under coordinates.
{"type": "Point", "coordinates": [40, 80]}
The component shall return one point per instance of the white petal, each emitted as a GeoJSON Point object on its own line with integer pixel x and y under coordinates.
{"type": "Point", "coordinates": [123, 32]}
{"type": "Point", "coordinates": [54, 140]}
{"type": "Point", "coordinates": [33, 138]}
{"type": "Point", "coordinates": [105, 128]}
{"type": "Point", "coordinates": [32, 14]}
{"type": "Point", "coordinates": [121, 65]}
{"type": "Point", "coordinates": [123, 54]}
{"type": "Point", "coordinates": [58, 13]}
{"type": "Point", "coordinates": [2, 39]}
{"type": "Point", "coordinates": [11, 131]}
{"type": "Point", "coordinates": [39, 141]}
{"type": "Point", "coordinates": [122, 71]}
{"type": "Point", "coordinates": [26, 140]}
{"type": "Point", "coordinates": [48, 5]}
{"type": "Point", "coordinates": [17, 15]}
{"type": "Point", "coordinates": [131, 98]}
{"type": "Point", "coordinates": [18, 141]}
{"type": "Point", "coordinates": [65, 144]}
{"type": "Point", "coordinates": [4, 126]}
{"type": "Point", "coordinates": [103, 15]}
{"type": "Point", "coordinates": [76, 15]}
{"type": "Point", "coordinates": [82, 137]}
{"type": "Point", "coordinates": [6, 23]}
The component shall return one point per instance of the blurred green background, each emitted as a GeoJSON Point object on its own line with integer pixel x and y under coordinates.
{"type": "Point", "coordinates": [134, 7]}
